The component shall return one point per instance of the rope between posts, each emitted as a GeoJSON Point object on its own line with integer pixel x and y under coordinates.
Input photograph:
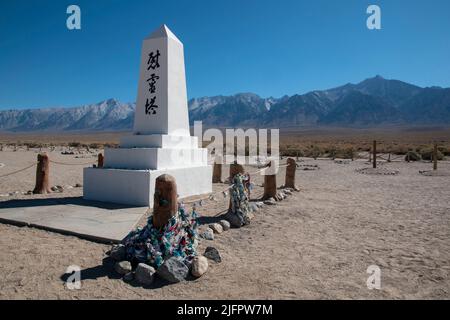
{"type": "Point", "coordinates": [211, 195]}
{"type": "Point", "coordinates": [17, 171]}
{"type": "Point", "coordinates": [398, 157]}
{"type": "Point", "coordinates": [382, 158]}
{"type": "Point", "coordinates": [72, 164]}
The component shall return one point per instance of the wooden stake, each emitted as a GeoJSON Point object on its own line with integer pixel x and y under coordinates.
{"type": "Point", "coordinates": [435, 152]}
{"type": "Point", "coordinates": [42, 175]}
{"type": "Point", "coordinates": [217, 173]}
{"type": "Point", "coordinates": [217, 169]}
{"type": "Point", "coordinates": [270, 185]}
{"type": "Point", "coordinates": [165, 201]}
{"type": "Point", "coordinates": [100, 160]}
{"type": "Point", "coordinates": [235, 168]}
{"type": "Point", "coordinates": [290, 173]}
{"type": "Point", "coordinates": [374, 156]}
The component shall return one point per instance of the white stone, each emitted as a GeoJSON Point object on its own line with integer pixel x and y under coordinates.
{"type": "Point", "coordinates": [260, 204]}
{"type": "Point", "coordinates": [216, 227]}
{"type": "Point", "coordinates": [161, 141]}
{"type": "Point", "coordinates": [253, 207]}
{"type": "Point", "coordinates": [225, 225]}
{"type": "Point", "coordinates": [199, 266]}
{"type": "Point", "coordinates": [122, 267]}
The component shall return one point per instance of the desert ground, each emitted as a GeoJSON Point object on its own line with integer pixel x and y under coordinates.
{"type": "Point", "coordinates": [316, 244]}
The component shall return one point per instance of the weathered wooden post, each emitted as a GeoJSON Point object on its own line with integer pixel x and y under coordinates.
{"type": "Point", "coordinates": [235, 168]}
{"type": "Point", "coordinates": [217, 169]}
{"type": "Point", "coordinates": [165, 204]}
{"type": "Point", "coordinates": [290, 174]}
{"type": "Point", "coordinates": [217, 173]}
{"type": "Point", "coordinates": [389, 157]}
{"type": "Point", "coordinates": [42, 175]}
{"type": "Point", "coordinates": [374, 155]}
{"type": "Point", "coordinates": [435, 153]}
{"type": "Point", "coordinates": [100, 160]}
{"type": "Point", "coordinates": [270, 182]}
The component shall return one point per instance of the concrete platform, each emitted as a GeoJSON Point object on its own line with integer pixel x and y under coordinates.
{"type": "Point", "coordinates": [92, 220]}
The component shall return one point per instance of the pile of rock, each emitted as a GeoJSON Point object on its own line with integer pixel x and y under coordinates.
{"type": "Point", "coordinates": [173, 270]}
{"type": "Point", "coordinates": [307, 167]}
{"type": "Point", "coordinates": [215, 228]}
{"type": "Point", "coordinates": [434, 173]}
{"type": "Point", "coordinates": [342, 161]}
{"type": "Point", "coordinates": [280, 196]}
{"type": "Point", "coordinates": [57, 188]}
{"type": "Point", "coordinates": [378, 171]}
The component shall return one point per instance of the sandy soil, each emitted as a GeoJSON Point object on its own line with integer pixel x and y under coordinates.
{"type": "Point", "coordinates": [316, 244]}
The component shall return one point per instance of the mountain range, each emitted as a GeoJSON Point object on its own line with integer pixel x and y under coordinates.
{"type": "Point", "coordinates": [373, 102]}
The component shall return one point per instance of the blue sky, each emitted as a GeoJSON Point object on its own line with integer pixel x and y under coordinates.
{"type": "Point", "coordinates": [271, 48]}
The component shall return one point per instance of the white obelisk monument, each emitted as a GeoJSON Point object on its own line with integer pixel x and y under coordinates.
{"type": "Point", "coordinates": [161, 141]}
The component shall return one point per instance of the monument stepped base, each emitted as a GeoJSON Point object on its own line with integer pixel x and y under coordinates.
{"type": "Point", "coordinates": [136, 187]}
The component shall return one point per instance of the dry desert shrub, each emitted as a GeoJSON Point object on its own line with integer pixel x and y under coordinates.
{"type": "Point", "coordinates": [413, 156]}
{"type": "Point", "coordinates": [33, 144]}
{"type": "Point", "coordinates": [444, 150]}
{"type": "Point", "coordinates": [427, 154]}
{"type": "Point", "coordinates": [95, 145]}
{"type": "Point", "coordinates": [74, 144]}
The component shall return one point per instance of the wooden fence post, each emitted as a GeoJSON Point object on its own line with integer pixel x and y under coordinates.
{"type": "Point", "coordinates": [100, 160]}
{"type": "Point", "coordinates": [217, 173]}
{"type": "Point", "coordinates": [270, 183]}
{"type": "Point", "coordinates": [374, 155]}
{"type": "Point", "coordinates": [435, 154]}
{"type": "Point", "coordinates": [165, 201]}
{"type": "Point", "coordinates": [235, 168]}
{"type": "Point", "coordinates": [290, 174]}
{"type": "Point", "coordinates": [217, 169]}
{"type": "Point", "coordinates": [42, 175]}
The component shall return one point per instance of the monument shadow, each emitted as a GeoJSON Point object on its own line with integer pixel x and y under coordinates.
{"type": "Point", "coordinates": [78, 201]}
